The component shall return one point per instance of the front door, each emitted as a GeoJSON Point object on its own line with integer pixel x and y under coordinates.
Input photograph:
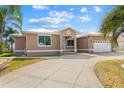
{"type": "Point", "coordinates": [69, 44]}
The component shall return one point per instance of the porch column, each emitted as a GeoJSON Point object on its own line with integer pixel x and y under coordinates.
{"type": "Point", "coordinates": [75, 45]}
{"type": "Point", "coordinates": [61, 48]}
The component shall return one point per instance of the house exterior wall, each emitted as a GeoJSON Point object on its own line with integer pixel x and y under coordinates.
{"type": "Point", "coordinates": [33, 49]}
{"type": "Point", "coordinates": [82, 44]}
{"type": "Point", "coordinates": [28, 44]}
{"type": "Point", "coordinates": [31, 45]}
{"type": "Point", "coordinates": [67, 33]}
{"type": "Point", "coordinates": [20, 45]}
{"type": "Point", "coordinates": [86, 43]}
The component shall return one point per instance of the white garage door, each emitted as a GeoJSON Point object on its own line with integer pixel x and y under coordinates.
{"type": "Point", "coordinates": [101, 46]}
{"type": "Point", "coordinates": [121, 45]}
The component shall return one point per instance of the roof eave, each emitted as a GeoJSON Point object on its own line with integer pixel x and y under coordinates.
{"type": "Point", "coordinates": [32, 32]}
{"type": "Point", "coordinates": [17, 35]}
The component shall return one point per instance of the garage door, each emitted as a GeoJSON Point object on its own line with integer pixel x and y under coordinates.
{"type": "Point", "coordinates": [101, 46]}
{"type": "Point", "coordinates": [121, 45]}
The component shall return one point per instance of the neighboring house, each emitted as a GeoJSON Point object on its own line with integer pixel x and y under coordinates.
{"type": "Point", "coordinates": [121, 42]}
{"type": "Point", "coordinates": [39, 43]}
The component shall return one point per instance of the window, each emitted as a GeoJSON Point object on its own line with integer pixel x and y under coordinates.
{"type": "Point", "coordinates": [70, 42]}
{"type": "Point", "coordinates": [44, 40]}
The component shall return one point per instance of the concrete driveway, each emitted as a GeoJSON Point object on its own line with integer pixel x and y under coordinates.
{"type": "Point", "coordinates": [69, 71]}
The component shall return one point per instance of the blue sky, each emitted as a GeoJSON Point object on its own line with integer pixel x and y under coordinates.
{"type": "Point", "coordinates": [83, 18]}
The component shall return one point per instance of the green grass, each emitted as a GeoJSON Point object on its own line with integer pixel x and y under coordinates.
{"type": "Point", "coordinates": [110, 73]}
{"type": "Point", "coordinates": [18, 63]}
{"type": "Point", "coordinates": [6, 55]}
{"type": "Point", "coordinates": [118, 50]}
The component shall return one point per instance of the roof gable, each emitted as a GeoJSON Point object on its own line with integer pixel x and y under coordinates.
{"type": "Point", "coordinates": [69, 29]}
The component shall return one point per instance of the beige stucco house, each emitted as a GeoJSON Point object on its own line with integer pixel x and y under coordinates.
{"type": "Point", "coordinates": [39, 43]}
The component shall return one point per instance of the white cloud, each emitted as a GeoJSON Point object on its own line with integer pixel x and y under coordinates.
{"type": "Point", "coordinates": [71, 9]}
{"type": "Point", "coordinates": [85, 18]}
{"type": "Point", "coordinates": [97, 9]}
{"type": "Point", "coordinates": [55, 19]}
{"type": "Point", "coordinates": [51, 26]}
{"type": "Point", "coordinates": [50, 20]}
{"type": "Point", "coordinates": [40, 7]}
{"type": "Point", "coordinates": [56, 26]}
{"type": "Point", "coordinates": [84, 9]}
{"type": "Point", "coordinates": [62, 14]}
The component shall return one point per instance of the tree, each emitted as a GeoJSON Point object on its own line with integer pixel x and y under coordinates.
{"type": "Point", "coordinates": [9, 40]}
{"type": "Point", "coordinates": [10, 15]}
{"type": "Point", "coordinates": [3, 14]}
{"type": "Point", "coordinates": [2, 45]}
{"type": "Point", "coordinates": [113, 23]}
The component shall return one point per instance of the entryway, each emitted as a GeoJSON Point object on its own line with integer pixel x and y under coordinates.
{"type": "Point", "coordinates": [68, 41]}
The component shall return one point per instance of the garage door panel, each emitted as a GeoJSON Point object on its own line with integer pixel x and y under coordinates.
{"type": "Point", "coordinates": [102, 47]}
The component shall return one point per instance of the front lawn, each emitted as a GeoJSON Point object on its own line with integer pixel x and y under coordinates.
{"type": "Point", "coordinates": [6, 54]}
{"type": "Point", "coordinates": [18, 63]}
{"type": "Point", "coordinates": [121, 51]}
{"type": "Point", "coordinates": [110, 73]}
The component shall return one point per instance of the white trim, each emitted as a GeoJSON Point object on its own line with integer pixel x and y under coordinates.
{"type": "Point", "coordinates": [75, 50]}
{"type": "Point", "coordinates": [38, 51]}
{"type": "Point", "coordinates": [61, 50]}
{"type": "Point", "coordinates": [19, 50]}
{"type": "Point", "coordinates": [42, 51]}
{"type": "Point", "coordinates": [85, 49]}
{"type": "Point", "coordinates": [44, 35]}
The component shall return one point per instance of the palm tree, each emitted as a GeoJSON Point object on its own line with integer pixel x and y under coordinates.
{"type": "Point", "coordinates": [10, 15]}
{"type": "Point", "coordinates": [15, 16]}
{"type": "Point", "coordinates": [11, 40]}
{"type": "Point", "coordinates": [113, 23]}
{"type": "Point", "coordinates": [7, 37]}
{"type": "Point", "coordinates": [2, 45]}
{"type": "Point", "coordinates": [3, 14]}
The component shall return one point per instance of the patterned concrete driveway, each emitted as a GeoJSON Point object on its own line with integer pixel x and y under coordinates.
{"type": "Point", "coordinates": [69, 71]}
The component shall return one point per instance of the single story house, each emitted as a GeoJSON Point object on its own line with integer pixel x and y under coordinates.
{"type": "Point", "coordinates": [39, 43]}
{"type": "Point", "coordinates": [121, 42]}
